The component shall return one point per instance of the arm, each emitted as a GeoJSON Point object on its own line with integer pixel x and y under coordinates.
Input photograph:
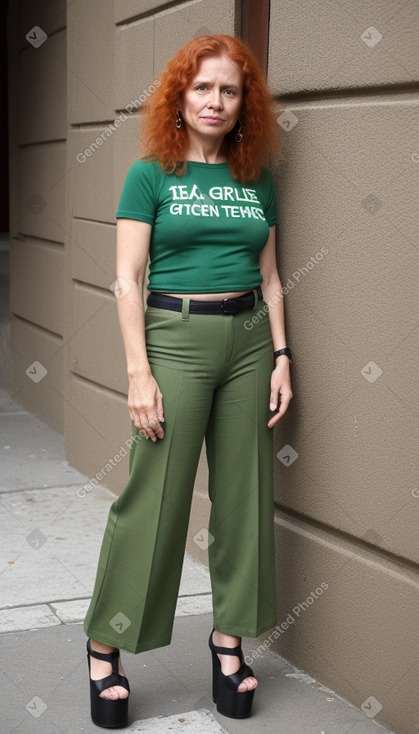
{"type": "Point", "coordinates": [281, 392]}
{"type": "Point", "coordinates": [145, 401]}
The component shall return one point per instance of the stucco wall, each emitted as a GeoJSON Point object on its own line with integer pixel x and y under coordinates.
{"type": "Point", "coordinates": [38, 133]}
{"type": "Point", "coordinates": [347, 505]}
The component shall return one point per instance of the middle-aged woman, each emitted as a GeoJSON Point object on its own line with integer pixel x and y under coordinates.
{"type": "Point", "coordinates": [208, 359]}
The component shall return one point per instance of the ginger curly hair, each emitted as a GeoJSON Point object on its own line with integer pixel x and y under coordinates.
{"type": "Point", "coordinates": [167, 144]}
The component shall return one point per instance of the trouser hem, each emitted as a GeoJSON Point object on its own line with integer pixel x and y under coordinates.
{"type": "Point", "coordinates": [239, 631]}
{"type": "Point", "coordinates": [114, 642]}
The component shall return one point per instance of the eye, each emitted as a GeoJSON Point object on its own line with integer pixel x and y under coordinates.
{"type": "Point", "coordinates": [231, 92]}
{"type": "Point", "coordinates": [201, 87]}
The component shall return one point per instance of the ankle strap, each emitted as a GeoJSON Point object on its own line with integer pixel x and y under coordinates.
{"type": "Point", "coordinates": [228, 650]}
{"type": "Point", "coordinates": [225, 650]}
{"type": "Point", "coordinates": [107, 657]}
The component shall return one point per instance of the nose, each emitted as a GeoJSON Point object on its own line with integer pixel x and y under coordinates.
{"type": "Point", "coordinates": [216, 100]}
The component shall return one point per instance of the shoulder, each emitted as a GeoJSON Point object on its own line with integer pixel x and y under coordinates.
{"type": "Point", "coordinates": [265, 183]}
{"type": "Point", "coordinates": [145, 174]}
{"type": "Point", "coordinates": [266, 191]}
{"type": "Point", "coordinates": [265, 177]}
{"type": "Point", "coordinates": [145, 168]}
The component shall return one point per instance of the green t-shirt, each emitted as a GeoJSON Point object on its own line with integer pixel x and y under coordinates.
{"type": "Point", "coordinates": [207, 228]}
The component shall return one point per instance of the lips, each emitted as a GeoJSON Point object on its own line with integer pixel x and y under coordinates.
{"type": "Point", "coordinates": [210, 118]}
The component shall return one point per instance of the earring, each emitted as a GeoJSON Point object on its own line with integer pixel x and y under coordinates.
{"type": "Point", "coordinates": [239, 135]}
{"type": "Point", "coordinates": [178, 120]}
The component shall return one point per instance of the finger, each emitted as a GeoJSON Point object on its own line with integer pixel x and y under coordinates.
{"type": "Point", "coordinates": [160, 414]}
{"type": "Point", "coordinates": [284, 402]}
{"type": "Point", "coordinates": [135, 417]}
{"type": "Point", "coordinates": [274, 420]}
{"type": "Point", "coordinates": [148, 428]}
{"type": "Point", "coordinates": [154, 428]}
{"type": "Point", "coordinates": [143, 425]}
{"type": "Point", "coordinates": [274, 398]}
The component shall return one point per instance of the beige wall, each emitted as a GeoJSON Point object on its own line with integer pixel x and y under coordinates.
{"type": "Point", "coordinates": [346, 512]}
{"type": "Point", "coordinates": [38, 132]}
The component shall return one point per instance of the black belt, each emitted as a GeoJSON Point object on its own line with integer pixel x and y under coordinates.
{"type": "Point", "coordinates": [226, 307]}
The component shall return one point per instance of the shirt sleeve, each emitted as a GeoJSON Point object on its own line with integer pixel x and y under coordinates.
{"type": "Point", "coordinates": [269, 197]}
{"type": "Point", "coordinates": [138, 200]}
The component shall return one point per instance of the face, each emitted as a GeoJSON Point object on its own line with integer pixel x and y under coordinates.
{"type": "Point", "coordinates": [211, 103]}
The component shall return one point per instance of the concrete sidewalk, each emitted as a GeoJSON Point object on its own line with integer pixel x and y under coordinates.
{"type": "Point", "coordinates": [50, 542]}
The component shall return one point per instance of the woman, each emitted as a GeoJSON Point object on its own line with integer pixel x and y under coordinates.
{"type": "Point", "coordinates": [207, 360]}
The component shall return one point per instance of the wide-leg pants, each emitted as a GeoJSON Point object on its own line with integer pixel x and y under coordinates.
{"type": "Point", "coordinates": [214, 373]}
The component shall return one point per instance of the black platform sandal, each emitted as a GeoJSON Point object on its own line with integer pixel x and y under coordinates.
{"type": "Point", "coordinates": [110, 714]}
{"type": "Point", "coordinates": [230, 701]}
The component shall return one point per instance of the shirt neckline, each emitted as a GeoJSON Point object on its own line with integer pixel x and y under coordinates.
{"type": "Point", "coordinates": [204, 164]}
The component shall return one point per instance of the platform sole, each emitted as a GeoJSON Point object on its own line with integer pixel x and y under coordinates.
{"type": "Point", "coordinates": [234, 704]}
{"type": "Point", "coordinates": [109, 714]}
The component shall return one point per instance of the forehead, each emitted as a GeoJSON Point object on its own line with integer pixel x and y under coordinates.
{"type": "Point", "coordinates": [221, 68]}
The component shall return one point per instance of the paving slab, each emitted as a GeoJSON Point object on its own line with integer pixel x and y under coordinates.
{"type": "Point", "coordinates": [45, 689]}
{"type": "Point", "coordinates": [49, 557]}
{"type": "Point", "coordinates": [32, 453]}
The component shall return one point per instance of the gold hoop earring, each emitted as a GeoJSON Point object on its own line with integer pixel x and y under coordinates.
{"type": "Point", "coordinates": [239, 135]}
{"type": "Point", "coordinates": [178, 120]}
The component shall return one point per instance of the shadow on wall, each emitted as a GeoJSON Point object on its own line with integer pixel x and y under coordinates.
{"type": "Point", "coordinates": [5, 357]}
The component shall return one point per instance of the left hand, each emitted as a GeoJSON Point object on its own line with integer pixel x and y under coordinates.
{"type": "Point", "coordinates": [281, 392]}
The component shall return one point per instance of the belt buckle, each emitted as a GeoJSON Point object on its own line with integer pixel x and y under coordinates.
{"type": "Point", "coordinates": [229, 306]}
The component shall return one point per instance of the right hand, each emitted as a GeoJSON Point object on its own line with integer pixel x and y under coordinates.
{"type": "Point", "coordinates": [145, 403]}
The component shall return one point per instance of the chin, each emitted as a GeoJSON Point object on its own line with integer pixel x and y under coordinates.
{"type": "Point", "coordinates": [215, 130]}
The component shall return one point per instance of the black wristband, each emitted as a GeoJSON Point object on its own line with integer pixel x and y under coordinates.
{"type": "Point", "coordinates": [286, 351]}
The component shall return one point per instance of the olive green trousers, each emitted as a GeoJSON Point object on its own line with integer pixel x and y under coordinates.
{"type": "Point", "coordinates": [214, 373]}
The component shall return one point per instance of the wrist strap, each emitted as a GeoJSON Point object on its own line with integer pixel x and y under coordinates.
{"type": "Point", "coordinates": [286, 351]}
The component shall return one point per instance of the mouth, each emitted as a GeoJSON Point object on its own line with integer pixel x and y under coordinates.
{"type": "Point", "coordinates": [212, 119]}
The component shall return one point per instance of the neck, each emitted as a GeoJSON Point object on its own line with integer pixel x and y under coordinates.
{"type": "Point", "coordinates": [206, 151]}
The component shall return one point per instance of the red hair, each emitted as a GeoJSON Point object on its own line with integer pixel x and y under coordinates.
{"type": "Point", "coordinates": [167, 144]}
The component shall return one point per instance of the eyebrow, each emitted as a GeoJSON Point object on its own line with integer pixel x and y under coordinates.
{"type": "Point", "coordinates": [223, 86]}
